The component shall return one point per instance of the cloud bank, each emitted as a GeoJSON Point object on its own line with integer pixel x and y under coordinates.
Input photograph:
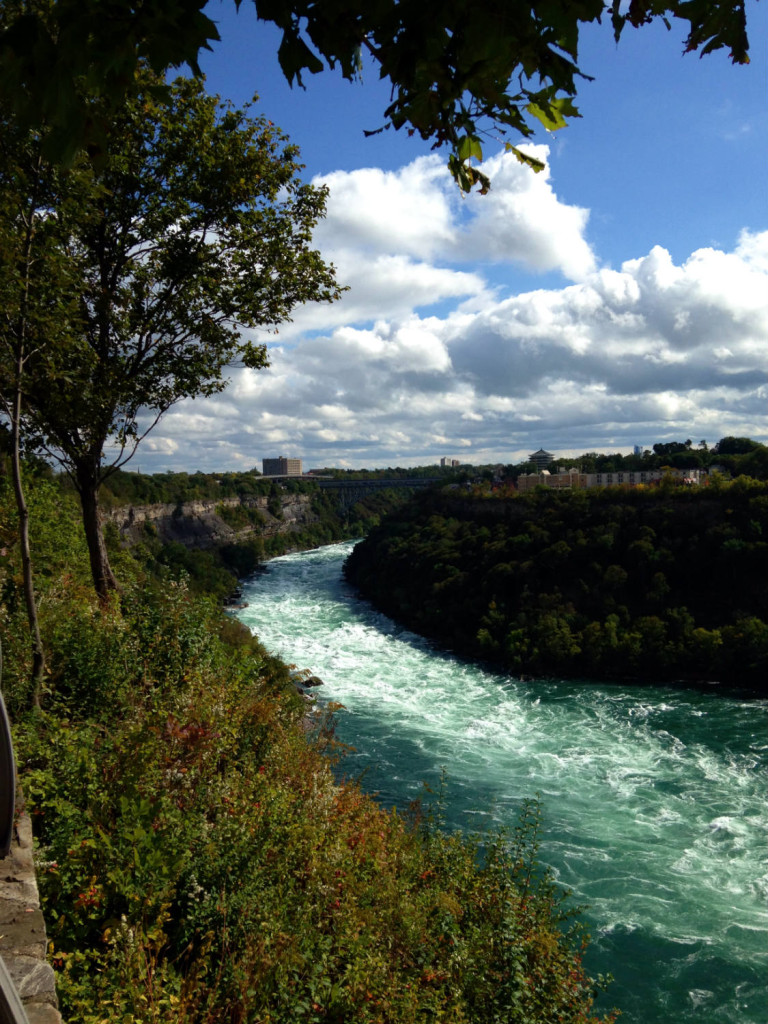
{"type": "Point", "coordinates": [428, 354]}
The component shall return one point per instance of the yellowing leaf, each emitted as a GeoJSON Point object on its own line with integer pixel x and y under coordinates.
{"type": "Point", "coordinates": [525, 158]}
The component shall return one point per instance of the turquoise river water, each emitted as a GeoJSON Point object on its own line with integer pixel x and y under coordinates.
{"type": "Point", "coordinates": [654, 799]}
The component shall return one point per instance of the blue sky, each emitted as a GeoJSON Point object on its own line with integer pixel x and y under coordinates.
{"type": "Point", "coordinates": [620, 298]}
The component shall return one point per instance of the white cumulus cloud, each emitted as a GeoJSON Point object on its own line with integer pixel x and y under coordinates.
{"type": "Point", "coordinates": [424, 356]}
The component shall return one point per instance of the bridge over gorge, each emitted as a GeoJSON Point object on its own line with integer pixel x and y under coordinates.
{"type": "Point", "coordinates": [350, 491]}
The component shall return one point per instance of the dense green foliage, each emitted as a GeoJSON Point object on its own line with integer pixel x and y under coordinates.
{"type": "Point", "coordinates": [656, 584]}
{"type": "Point", "coordinates": [197, 860]}
{"type": "Point", "coordinates": [125, 487]}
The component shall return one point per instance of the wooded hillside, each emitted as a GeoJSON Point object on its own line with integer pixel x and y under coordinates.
{"type": "Point", "coordinates": [660, 584]}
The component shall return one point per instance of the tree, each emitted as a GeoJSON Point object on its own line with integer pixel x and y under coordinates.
{"type": "Point", "coordinates": [17, 252]}
{"type": "Point", "coordinates": [686, 460]}
{"type": "Point", "coordinates": [34, 297]}
{"type": "Point", "coordinates": [671, 447]}
{"type": "Point", "coordinates": [755, 463]}
{"type": "Point", "coordinates": [736, 445]}
{"type": "Point", "coordinates": [195, 228]}
{"type": "Point", "coordinates": [458, 69]}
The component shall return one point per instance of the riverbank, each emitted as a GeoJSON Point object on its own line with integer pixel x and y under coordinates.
{"type": "Point", "coordinates": [201, 861]}
{"type": "Point", "coordinates": [653, 797]}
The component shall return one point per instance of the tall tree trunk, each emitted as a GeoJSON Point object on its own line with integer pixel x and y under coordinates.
{"type": "Point", "coordinates": [87, 481]}
{"type": "Point", "coordinates": [20, 356]}
{"type": "Point", "coordinates": [38, 655]}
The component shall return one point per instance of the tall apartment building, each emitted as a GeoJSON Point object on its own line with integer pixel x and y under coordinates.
{"type": "Point", "coordinates": [281, 467]}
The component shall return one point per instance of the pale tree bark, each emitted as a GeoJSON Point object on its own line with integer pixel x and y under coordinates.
{"type": "Point", "coordinates": [20, 355]}
{"type": "Point", "coordinates": [38, 654]}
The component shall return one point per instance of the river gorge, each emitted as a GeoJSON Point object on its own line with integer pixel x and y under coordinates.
{"type": "Point", "coordinates": [653, 798]}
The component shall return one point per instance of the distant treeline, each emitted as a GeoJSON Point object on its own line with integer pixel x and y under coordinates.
{"type": "Point", "coordinates": [732, 456]}
{"type": "Point", "coordinates": [652, 585]}
{"type": "Point", "coordinates": [132, 488]}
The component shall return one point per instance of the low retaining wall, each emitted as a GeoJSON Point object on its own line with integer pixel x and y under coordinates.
{"type": "Point", "coordinates": [22, 928]}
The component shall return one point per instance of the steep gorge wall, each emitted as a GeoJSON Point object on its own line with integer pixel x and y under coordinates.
{"type": "Point", "coordinates": [199, 524]}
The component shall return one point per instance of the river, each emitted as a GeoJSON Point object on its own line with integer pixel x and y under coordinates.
{"type": "Point", "coordinates": [653, 798]}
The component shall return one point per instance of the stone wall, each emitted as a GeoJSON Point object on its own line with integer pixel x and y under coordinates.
{"type": "Point", "coordinates": [22, 929]}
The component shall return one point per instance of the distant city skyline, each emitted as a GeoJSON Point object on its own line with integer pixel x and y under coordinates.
{"type": "Point", "coordinates": [509, 458]}
{"type": "Point", "coordinates": [505, 458]}
{"type": "Point", "coordinates": [620, 294]}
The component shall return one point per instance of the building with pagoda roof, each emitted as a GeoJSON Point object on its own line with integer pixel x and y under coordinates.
{"type": "Point", "coordinates": [541, 458]}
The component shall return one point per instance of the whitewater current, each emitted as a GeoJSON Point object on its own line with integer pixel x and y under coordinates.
{"type": "Point", "coordinates": [653, 798]}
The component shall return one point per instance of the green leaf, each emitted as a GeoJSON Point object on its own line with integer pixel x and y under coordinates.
{"type": "Point", "coordinates": [467, 177]}
{"type": "Point", "coordinates": [553, 115]}
{"type": "Point", "coordinates": [469, 147]}
{"type": "Point", "coordinates": [294, 56]}
{"type": "Point", "coordinates": [254, 356]}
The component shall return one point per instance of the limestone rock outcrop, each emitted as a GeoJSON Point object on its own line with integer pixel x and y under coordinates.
{"type": "Point", "coordinates": [201, 524]}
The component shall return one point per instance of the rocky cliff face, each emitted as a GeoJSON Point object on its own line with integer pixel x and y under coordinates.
{"type": "Point", "coordinates": [201, 524]}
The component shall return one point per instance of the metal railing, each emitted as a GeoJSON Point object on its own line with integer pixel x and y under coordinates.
{"type": "Point", "coordinates": [7, 776]}
{"type": "Point", "coordinates": [11, 1007]}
